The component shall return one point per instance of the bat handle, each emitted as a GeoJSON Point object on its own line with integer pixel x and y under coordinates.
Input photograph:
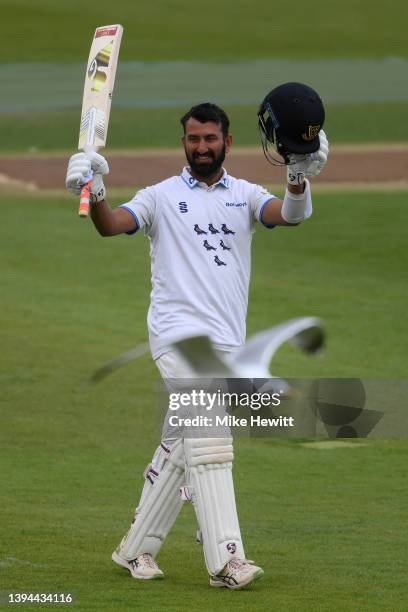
{"type": "Point", "coordinates": [83, 210]}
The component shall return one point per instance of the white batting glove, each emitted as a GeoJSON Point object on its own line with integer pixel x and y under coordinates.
{"type": "Point", "coordinates": [310, 164]}
{"type": "Point", "coordinates": [83, 167]}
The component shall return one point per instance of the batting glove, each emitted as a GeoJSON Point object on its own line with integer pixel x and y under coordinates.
{"type": "Point", "coordinates": [84, 167]}
{"type": "Point", "coordinates": [311, 164]}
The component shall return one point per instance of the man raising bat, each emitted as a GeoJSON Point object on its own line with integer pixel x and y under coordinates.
{"type": "Point", "coordinates": [200, 225]}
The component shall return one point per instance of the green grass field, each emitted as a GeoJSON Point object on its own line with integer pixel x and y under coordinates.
{"type": "Point", "coordinates": [150, 128]}
{"type": "Point", "coordinates": [49, 31]}
{"type": "Point", "coordinates": [52, 33]}
{"type": "Point", "coordinates": [327, 525]}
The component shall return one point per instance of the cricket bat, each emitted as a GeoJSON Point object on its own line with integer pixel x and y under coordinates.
{"type": "Point", "coordinates": [96, 103]}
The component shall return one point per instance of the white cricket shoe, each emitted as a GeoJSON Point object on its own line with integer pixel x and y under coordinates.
{"type": "Point", "coordinates": [144, 567]}
{"type": "Point", "coordinates": [237, 574]}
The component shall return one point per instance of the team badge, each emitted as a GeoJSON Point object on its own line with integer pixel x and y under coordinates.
{"type": "Point", "coordinates": [312, 132]}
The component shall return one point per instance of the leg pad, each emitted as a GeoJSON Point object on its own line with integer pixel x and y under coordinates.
{"type": "Point", "coordinates": [209, 476]}
{"type": "Point", "coordinates": [159, 505]}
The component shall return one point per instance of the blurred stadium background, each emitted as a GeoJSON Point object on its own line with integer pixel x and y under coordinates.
{"type": "Point", "coordinates": [326, 523]}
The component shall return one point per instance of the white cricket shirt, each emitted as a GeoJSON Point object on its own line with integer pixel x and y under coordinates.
{"type": "Point", "coordinates": [200, 247]}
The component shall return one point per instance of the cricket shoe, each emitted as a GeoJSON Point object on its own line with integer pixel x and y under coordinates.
{"type": "Point", "coordinates": [236, 574]}
{"type": "Point", "coordinates": [144, 567]}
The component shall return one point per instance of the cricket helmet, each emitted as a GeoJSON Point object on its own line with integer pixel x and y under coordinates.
{"type": "Point", "coordinates": [291, 117]}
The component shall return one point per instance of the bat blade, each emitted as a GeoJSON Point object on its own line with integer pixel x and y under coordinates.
{"type": "Point", "coordinates": [97, 99]}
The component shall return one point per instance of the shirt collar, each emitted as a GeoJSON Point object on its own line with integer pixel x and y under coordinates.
{"type": "Point", "coordinates": [193, 182]}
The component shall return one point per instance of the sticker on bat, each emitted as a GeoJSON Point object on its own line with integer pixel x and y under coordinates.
{"type": "Point", "coordinates": [106, 32]}
{"type": "Point", "coordinates": [96, 70]}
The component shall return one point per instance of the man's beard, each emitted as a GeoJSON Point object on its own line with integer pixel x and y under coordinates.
{"type": "Point", "coordinates": [207, 168]}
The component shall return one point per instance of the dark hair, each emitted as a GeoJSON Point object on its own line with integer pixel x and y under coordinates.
{"type": "Point", "coordinates": [207, 112]}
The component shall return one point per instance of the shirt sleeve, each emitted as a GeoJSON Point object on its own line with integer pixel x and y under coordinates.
{"type": "Point", "coordinates": [259, 199]}
{"type": "Point", "coordinates": [143, 208]}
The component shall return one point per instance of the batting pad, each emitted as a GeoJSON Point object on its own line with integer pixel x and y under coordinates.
{"type": "Point", "coordinates": [209, 475]}
{"type": "Point", "coordinates": [159, 505]}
